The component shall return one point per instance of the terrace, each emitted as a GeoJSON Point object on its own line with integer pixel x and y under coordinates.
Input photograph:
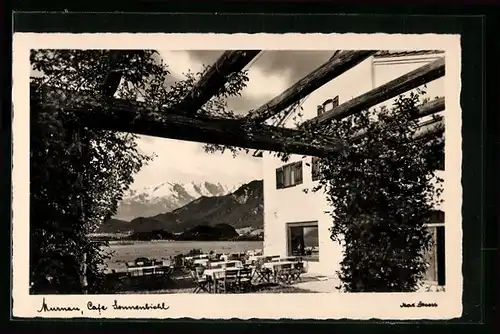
{"type": "Point", "coordinates": [249, 272]}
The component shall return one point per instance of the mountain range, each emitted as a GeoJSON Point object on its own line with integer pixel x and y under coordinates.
{"type": "Point", "coordinates": [242, 208]}
{"type": "Point", "coordinates": [165, 197]}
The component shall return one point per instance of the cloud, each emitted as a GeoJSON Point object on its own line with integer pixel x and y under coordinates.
{"type": "Point", "coordinates": [207, 57]}
{"type": "Point", "coordinates": [271, 73]}
{"type": "Point", "coordinates": [262, 84]}
{"type": "Point", "coordinates": [293, 64]}
{"type": "Point", "coordinates": [180, 62]}
{"type": "Point", "coordinates": [183, 161]}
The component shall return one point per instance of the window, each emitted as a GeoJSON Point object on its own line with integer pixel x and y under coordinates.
{"type": "Point", "coordinates": [330, 104]}
{"type": "Point", "coordinates": [303, 240]}
{"type": "Point", "coordinates": [289, 175]}
{"type": "Point", "coordinates": [436, 256]}
{"type": "Point", "coordinates": [320, 110]}
{"type": "Point", "coordinates": [315, 168]}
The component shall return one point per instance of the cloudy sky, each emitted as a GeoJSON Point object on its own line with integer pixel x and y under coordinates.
{"type": "Point", "coordinates": [269, 74]}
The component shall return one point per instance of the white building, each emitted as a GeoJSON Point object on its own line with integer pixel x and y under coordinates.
{"type": "Point", "coordinates": [290, 213]}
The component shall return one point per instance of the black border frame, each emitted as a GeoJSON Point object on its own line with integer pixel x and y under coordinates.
{"type": "Point", "coordinates": [478, 246]}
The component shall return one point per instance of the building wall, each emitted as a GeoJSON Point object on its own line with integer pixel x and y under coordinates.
{"type": "Point", "coordinates": [291, 205]}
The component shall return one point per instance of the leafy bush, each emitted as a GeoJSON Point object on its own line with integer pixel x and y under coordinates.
{"type": "Point", "coordinates": [381, 196]}
{"type": "Point", "coordinates": [78, 173]}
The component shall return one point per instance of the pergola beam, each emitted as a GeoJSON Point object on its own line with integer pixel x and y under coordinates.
{"type": "Point", "coordinates": [137, 117]}
{"type": "Point", "coordinates": [423, 110]}
{"type": "Point", "coordinates": [334, 67]}
{"type": "Point", "coordinates": [402, 84]}
{"type": "Point", "coordinates": [215, 78]}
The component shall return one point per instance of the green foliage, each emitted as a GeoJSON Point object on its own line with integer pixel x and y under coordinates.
{"type": "Point", "coordinates": [78, 174]}
{"type": "Point", "coordinates": [381, 195]}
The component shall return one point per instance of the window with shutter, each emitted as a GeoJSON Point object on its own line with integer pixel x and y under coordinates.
{"type": "Point", "coordinates": [286, 172]}
{"type": "Point", "coordinates": [315, 168]}
{"type": "Point", "coordinates": [289, 175]}
{"type": "Point", "coordinates": [279, 178]}
{"type": "Point", "coordinates": [435, 256]}
{"type": "Point", "coordinates": [330, 104]}
{"type": "Point", "coordinates": [298, 173]}
{"type": "Point", "coordinates": [335, 102]}
{"type": "Point", "coordinates": [320, 110]}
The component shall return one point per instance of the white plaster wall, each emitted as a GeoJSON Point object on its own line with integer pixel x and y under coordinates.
{"type": "Point", "coordinates": [386, 69]}
{"type": "Point", "coordinates": [282, 206]}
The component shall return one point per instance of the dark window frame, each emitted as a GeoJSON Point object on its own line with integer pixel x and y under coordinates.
{"type": "Point", "coordinates": [437, 226]}
{"type": "Point", "coordinates": [289, 227]}
{"type": "Point", "coordinates": [315, 169]}
{"type": "Point", "coordinates": [334, 104]}
{"type": "Point", "coordinates": [322, 107]}
{"type": "Point", "coordinates": [284, 172]}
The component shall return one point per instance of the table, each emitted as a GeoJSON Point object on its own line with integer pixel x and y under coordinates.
{"type": "Point", "coordinates": [255, 258]}
{"type": "Point", "coordinates": [273, 265]}
{"type": "Point", "coordinates": [139, 271]}
{"type": "Point", "coordinates": [214, 274]}
{"type": "Point", "coordinates": [194, 257]}
{"type": "Point", "coordinates": [237, 263]}
{"type": "Point", "coordinates": [203, 262]}
{"type": "Point", "coordinates": [285, 259]}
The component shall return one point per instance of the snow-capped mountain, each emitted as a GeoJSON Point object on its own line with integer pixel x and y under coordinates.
{"type": "Point", "coordinates": [167, 196]}
{"type": "Point", "coordinates": [240, 209]}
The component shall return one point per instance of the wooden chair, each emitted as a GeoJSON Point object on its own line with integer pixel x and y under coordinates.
{"type": "Point", "coordinates": [262, 274]}
{"type": "Point", "coordinates": [166, 271]}
{"type": "Point", "coordinates": [297, 270]}
{"type": "Point", "coordinates": [245, 279]}
{"type": "Point", "coordinates": [200, 281]}
{"type": "Point", "coordinates": [284, 273]}
{"type": "Point", "coordinates": [230, 281]}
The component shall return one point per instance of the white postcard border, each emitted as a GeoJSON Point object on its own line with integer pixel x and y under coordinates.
{"type": "Point", "coordinates": [244, 306]}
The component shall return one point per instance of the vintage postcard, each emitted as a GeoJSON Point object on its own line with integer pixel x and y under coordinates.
{"type": "Point", "coordinates": [219, 176]}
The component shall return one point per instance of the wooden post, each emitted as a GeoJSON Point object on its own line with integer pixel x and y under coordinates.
{"type": "Point", "coordinates": [81, 203]}
{"type": "Point", "coordinates": [83, 273]}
